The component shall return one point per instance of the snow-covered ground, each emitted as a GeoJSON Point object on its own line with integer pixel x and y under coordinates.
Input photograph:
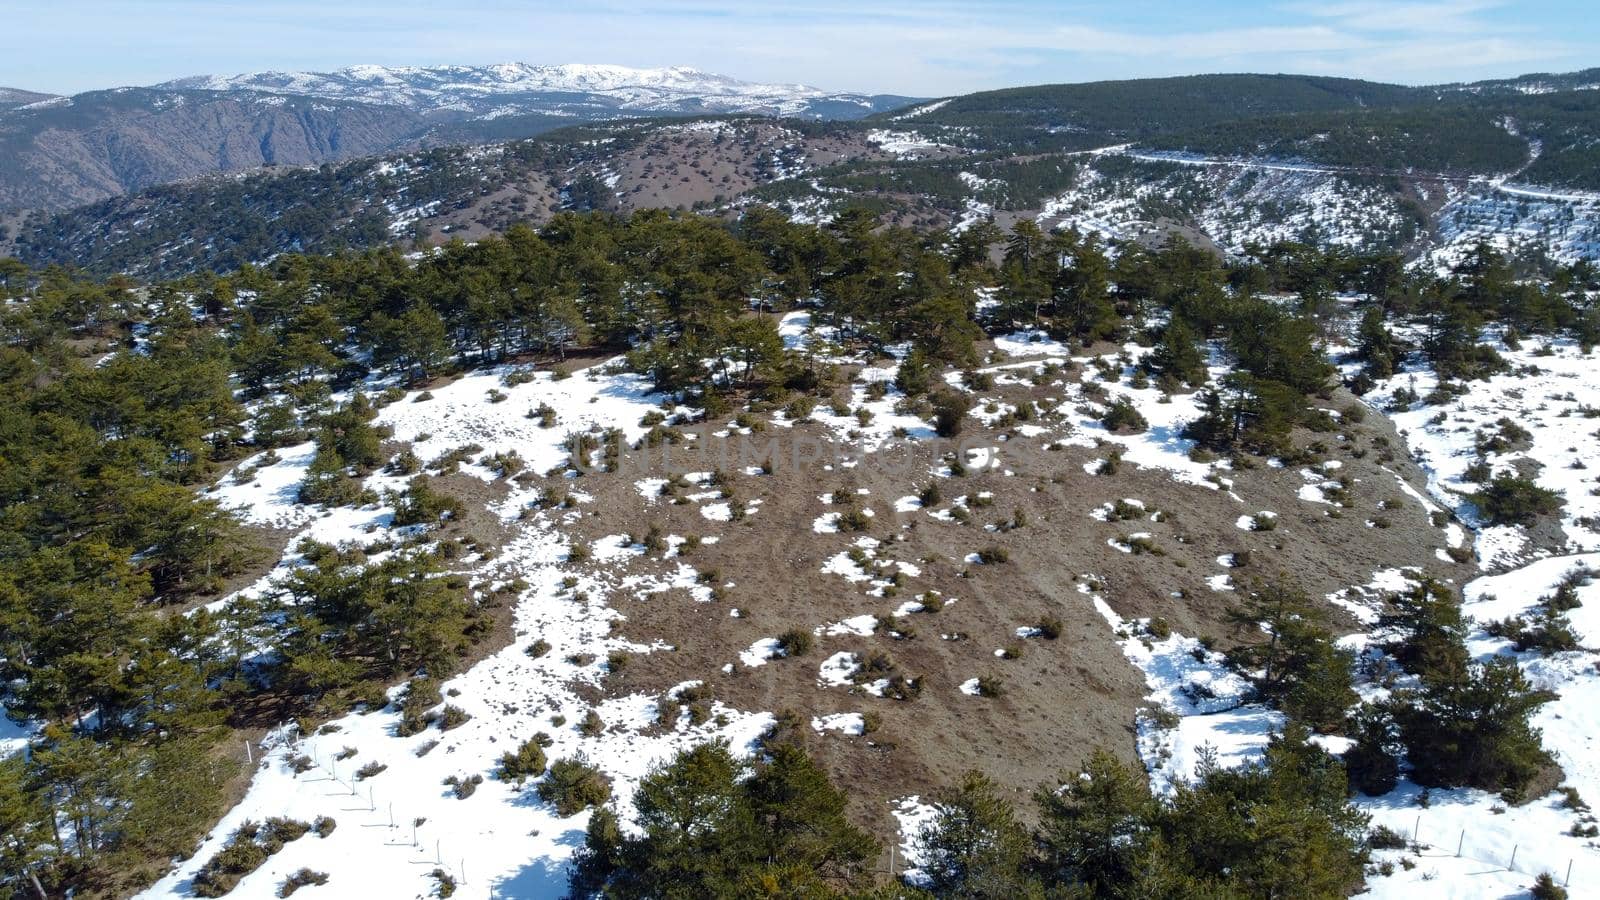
{"type": "Point", "coordinates": [1239, 202]}
{"type": "Point", "coordinates": [1566, 227]}
{"type": "Point", "coordinates": [494, 91]}
{"type": "Point", "coordinates": [503, 842]}
{"type": "Point", "coordinates": [905, 144]}
{"type": "Point", "coordinates": [1552, 393]}
{"type": "Point", "coordinates": [395, 827]}
{"type": "Point", "coordinates": [1469, 843]}
{"type": "Point", "coordinates": [1474, 844]}
{"type": "Point", "coordinates": [1194, 684]}
{"type": "Point", "coordinates": [1234, 204]}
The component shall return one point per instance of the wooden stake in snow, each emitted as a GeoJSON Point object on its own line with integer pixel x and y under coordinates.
{"type": "Point", "coordinates": [1512, 866]}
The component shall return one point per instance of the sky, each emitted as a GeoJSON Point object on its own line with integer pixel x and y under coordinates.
{"type": "Point", "coordinates": [925, 48]}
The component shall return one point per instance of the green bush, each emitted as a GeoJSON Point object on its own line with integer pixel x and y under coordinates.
{"type": "Point", "coordinates": [573, 785]}
{"type": "Point", "coordinates": [527, 761]}
{"type": "Point", "coordinates": [1123, 417]}
{"type": "Point", "coordinates": [300, 879]}
{"type": "Point", "coordinates": [247, 848]}
{"type": "Point", "coordinates": [795, 642]}
{"type": "Point", "coordinates": [1515, 500]}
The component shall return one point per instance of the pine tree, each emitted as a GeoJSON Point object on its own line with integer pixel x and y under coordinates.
{"type": "Point", "coordinates": [696, 826]}
{"type": "Point", "coordinates": [25, 832]}
{"type": "Point", "coordinates": [1375, 346]}
{"type": "Point", "coordinates": [1093, 829]}
{"type": "Point", "coordinates": [1179, 355]}
{"type": "Point", "coordinates": [1471, 728]}
{"type": "Point", "coordinates": [1301, 668]}
{"type": "Point", "coordinates": [1430, 633]}
{"type": "Point", "coordinates": [975, 847]}
{"type": "Point", "coordinates": [1373, 762]}
{"type": "Point", "coordinates": [800, 819]}
{"type": "Point", "coordinates": [1082, 295]}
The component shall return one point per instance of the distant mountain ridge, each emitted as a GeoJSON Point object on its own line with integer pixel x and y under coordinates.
{"type": "Point", "coordinates": [99, 144]}
{"type": "Point", "coordinates": [522, 88]}
{"type": "Point", "coordinates": [10, 97]}
{"type": "Point", "coordinates": [371, 156]}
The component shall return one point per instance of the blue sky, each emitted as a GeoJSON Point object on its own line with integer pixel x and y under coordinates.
{"type": "Point", "coordinates": [928, 48]}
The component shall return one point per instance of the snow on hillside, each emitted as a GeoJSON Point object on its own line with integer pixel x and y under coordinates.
{"type": "Point", "coordinates": [496, 90]}
{"type": "Point", "coordinates": [1563, 225]}
{"type": "Point", "coordinates": [1241, 202]}
{"type": "Point", "coordinates": [1118, 195]}
{"type": "Point", "coordinates": [1551, 392]}
{"type": "Point", "coordinates": [395, 827]}
{"type": "Point", "coordinates": [904, 144]}
{"type": "Point", "coordinates": [1470, 843]}
{"type": "Point", "coordinates": [1473, 844]}
{"type": "Point", "coordinates": [1462, 843]}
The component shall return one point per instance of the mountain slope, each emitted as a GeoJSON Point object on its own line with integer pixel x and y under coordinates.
{"type": "Point", "coordinates": [572, 90]}
{"type": "Point", "coordinates": [104, 143]}
{"type": "Point", "coordinates": [1223, 160]}
{"type": "Point", "coordinates": [13, 97]}
{"type": "Point", "coordinates": [1146, 106]}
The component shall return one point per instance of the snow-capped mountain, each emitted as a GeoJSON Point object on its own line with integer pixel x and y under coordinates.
{"type": "Point", "coordinates": [571, 90]}
{"type": "Point", "coordinates": [64, 151]}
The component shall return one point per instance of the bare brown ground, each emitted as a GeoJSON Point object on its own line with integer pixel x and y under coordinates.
{"type": "Point", "coordinates": [1062, 698]}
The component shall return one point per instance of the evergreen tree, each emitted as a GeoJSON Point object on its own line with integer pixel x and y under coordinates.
{"type": "Point", "coordinates": [1375, 346]}
{"type": "Point", "coordinates": [695, 825]}
{"type": "Point", "coordinates": [1373, 762]}
{"type": "Point", "coordinates": [1430, 634]}
{"type": "Point", "coordinates": [975, 847]}
{"type": "Point", "coordinates": [800, 819]}
{"type": "Point", "coordinates": [1093, 830]}
{"type": "Point", "coordinates": [1082, 295]}
{"type": "Point", "coordinates": [417, 341]}
{"type": "Point", "coordinates": [711, 828]}
{"type": "Point", "coordinates": [1301, 669]}
{"type": "Point", "coordinates": [1179, 355]}
{"type": "Point", "coordinates": [1471, 728]}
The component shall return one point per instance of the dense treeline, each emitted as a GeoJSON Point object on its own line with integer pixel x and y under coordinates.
{"type": "Point", "coordinates": [1143, 107]}
{"type": "Point", "coordinates": [712, 828]}
{"type": "Point", "coordinates": [105, 547]}
{"type": "Point", "coordinates": [1376, 139]}
{"type": "Point", "coordinates": [100, 528]}
{"type": "Point", "coordinates": [1565, 124]}
{"type": "Point", "coordinates": [1330, 120]}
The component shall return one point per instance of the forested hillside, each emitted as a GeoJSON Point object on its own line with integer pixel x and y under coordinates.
{"type": "Point", "coordinates": [1141, 108]}
{"type": "Point", "coordinates": [1380, 167]}
{"type": "Point", "coordinates": [407, 524]}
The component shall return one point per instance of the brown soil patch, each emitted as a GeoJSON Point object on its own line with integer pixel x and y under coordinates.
{"type": "Point", "coordinates": [1062, 698]}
